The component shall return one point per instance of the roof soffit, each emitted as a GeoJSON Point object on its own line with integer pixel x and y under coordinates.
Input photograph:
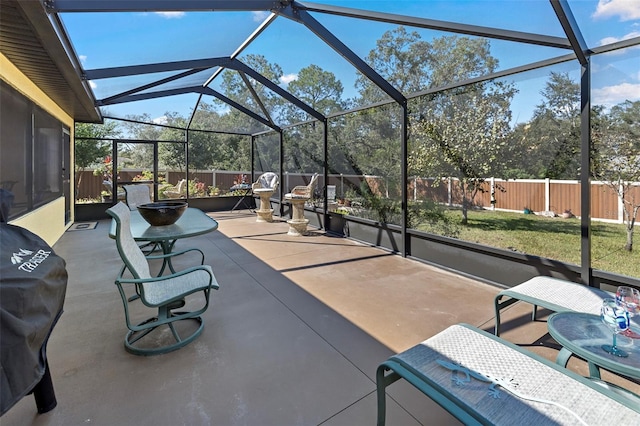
{"type": "Point", "coordinates": [29, 40]}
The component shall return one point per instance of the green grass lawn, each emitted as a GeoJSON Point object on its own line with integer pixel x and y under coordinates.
{"type": "Point", "coordinates": [553, 238]}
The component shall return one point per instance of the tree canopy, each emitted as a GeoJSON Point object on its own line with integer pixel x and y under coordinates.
{"type": "Point", "coordinates": [616, 159]}
{"type": "Point", "coordinates": [466, 133]}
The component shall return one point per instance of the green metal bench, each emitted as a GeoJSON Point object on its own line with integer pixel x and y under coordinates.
{"type": "Point", "coordinates": [551, 293]}
{"type": "Point", "coordinates": [483, 380]}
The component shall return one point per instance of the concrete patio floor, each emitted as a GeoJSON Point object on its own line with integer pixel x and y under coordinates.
{"type": "Point", "coordinates": [293, 336]}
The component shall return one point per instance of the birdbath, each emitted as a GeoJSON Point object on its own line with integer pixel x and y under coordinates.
{"type": "Point", "coordinates": [298, 223]}
{"type": "Point", "coordinates": [265, 213]}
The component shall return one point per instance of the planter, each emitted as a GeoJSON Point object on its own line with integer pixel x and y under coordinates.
{"type": "Point", "coordinates": [338, 225]}
{"type": "Point", "coordinates": [382, 235]}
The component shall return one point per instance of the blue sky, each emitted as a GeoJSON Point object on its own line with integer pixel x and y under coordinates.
{"type": "Point", "coordinates": [117, 39]}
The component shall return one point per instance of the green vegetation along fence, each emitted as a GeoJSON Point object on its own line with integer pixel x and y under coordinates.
{"type": "Point", "coordinates": [538, 195]}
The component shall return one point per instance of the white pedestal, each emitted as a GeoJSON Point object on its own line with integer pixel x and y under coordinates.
{"type": "Point", "coordinates": [298, 223]}
{"type": "Point", "coordinates": [265, 213]}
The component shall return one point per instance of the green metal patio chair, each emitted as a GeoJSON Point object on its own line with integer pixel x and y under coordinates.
{"type": "Point", "coordinates": [136, 195]}
{"type": "Point", "coordinates": [169, 330]}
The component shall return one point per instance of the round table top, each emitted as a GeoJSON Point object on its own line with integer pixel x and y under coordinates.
{"type": "Point", "coordinates": [193, 222]}
{"type": "Point", "coordinates": [584, 334]}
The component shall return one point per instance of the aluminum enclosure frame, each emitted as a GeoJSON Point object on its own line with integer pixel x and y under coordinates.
{"type": "Point", "coordinates": [299, 12]}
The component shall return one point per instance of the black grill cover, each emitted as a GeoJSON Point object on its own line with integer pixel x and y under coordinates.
{"type": "Point", "coordinates": [33, 283]}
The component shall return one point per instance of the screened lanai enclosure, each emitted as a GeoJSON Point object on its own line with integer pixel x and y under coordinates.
{"type": "Point", "coordinates": [499, 139]}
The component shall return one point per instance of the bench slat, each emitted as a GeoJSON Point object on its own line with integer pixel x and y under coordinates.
{"type": "Point", "coordinates": [472, 402]}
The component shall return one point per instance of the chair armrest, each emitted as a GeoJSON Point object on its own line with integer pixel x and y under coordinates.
{"type": "Point", "coordinates": [178, 253]}
{"type": "Point", "coordinates": [213, 282]}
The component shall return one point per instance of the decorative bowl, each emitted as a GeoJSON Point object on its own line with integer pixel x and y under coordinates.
{"type": "Point", "coordinates": [162, 213]}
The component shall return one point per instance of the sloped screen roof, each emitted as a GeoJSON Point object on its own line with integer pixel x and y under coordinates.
{"type": "Point", "coordinates": [156, 57]}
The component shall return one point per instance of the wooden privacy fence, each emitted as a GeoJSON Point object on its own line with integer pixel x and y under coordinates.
{"type": "Point", "coordinates": [91, 186]}
{"type": "Point", "coordinates": [538, 195]}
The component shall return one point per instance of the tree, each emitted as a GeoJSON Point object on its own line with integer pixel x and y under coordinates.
{"type": "Point", "coordinates": [319, 89]}
{"type": "Point", "coordinates": [233, 153]}
{"type": "Point", "coordinates": [235, 87]}
{"type": "Point", "coordinates": [464, 134]}
{"type": "Point", "coordinates": [140, 155]}
{"type": "Point", "coordinates": [89, 149]}
{"type": "Point", "coordinates": [371, 140]}
{"type": "Point", "coordinates": [372, 147]}
{"type": "Point", "coordinates": [551, 140]}
{"type": "Point", "coordinates": [403, 59]}
{"type": "Point", "coordinates": [172, 154]}
{"type": "Point", "coordinates": [616, 160]}
{"type": "Point", "coordinates": [222, 151]}
{"type": "Point", "coordinates": [460, 133]}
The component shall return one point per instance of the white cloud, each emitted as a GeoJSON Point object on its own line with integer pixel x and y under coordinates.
{"type": "Point", "coordinates": [92, 84]}
{"type": "Point", "coordinates": [288, 78]}
{"type": "Point", "coordinates": [160, 120]}
{"type": "Point", "coordinates": [613, 95]}
{"type": "Point", "coordinates": [260, 16]}
{"type": "Point", "coordinates": [609, 40]}
{"type": "Point", "coordinates": [626, 10]}
{"type": "Point", "coordinates": [82, 58]}
{"type": "Point", "coordinates": [170, 15]}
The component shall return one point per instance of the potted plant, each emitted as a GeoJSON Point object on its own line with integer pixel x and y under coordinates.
{"type": "Point", "coordinates": [106, 196]}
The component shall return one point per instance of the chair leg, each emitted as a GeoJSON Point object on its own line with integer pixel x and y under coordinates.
{"type": "Point", "coordinates": [382, 381]}
{"type": "Point", "coordinates": [133, 338]}
{"type": "Point", "coordinates": [499, 306]}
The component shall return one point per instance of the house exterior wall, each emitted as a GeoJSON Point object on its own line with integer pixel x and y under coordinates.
{"type": "Point", "coordinates": [48, 221]}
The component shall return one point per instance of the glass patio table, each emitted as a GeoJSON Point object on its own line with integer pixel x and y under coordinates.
{"type": "Point", "coordinates": [192, 223]}
{"type": "Point", "coordinates": [583, 335]}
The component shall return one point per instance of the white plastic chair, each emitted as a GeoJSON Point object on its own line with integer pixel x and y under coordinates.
{"type": "Point", "coordinates": [179, 191]}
